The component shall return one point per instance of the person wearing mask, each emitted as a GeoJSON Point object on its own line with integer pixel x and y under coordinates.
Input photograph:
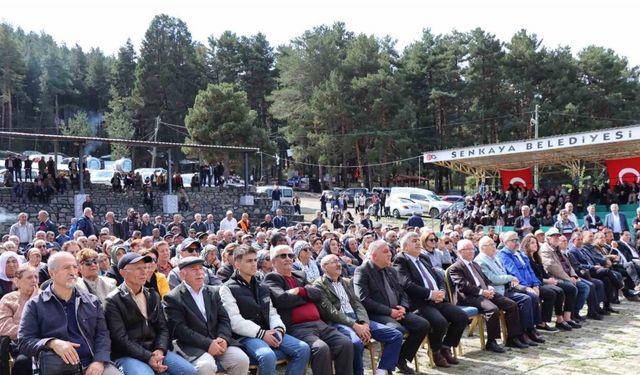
{"type": "Point", "coordinates": [255, 322]}
{"type": "Point", "coordinates": [66, 325]}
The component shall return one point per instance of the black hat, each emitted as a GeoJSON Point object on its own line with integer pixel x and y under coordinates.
{"type": "Point", "coordinates": [179, 234]}
{"type": "Point", "coordinates": [62, 227]}
{"type": "Point", "coordinates": [132, 258]}
{"type": "Point", "coordinates": [189, 261]}
{"type": "Point", "coordinates": [199, 235]}
{"type": "Point", "coordinates": [168, 235]}
{"type": "Point", "coordinates": [188, 242]}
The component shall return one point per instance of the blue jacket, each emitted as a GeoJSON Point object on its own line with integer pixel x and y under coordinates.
{"type": "Point", "coordinates": [514, 267]}
{"type": "Point", "coordinates": [415, 222]}
{"type": "Point", "coordinates": [44, 319]}
{"type": "Point", "coordinates": [608, 221]}
{"type": "Point", "coordinates": [86, 226]}
{"type": "Point", "coordinates": [279, 222]}
{"type": "Point", "coordinates": [581, 257]}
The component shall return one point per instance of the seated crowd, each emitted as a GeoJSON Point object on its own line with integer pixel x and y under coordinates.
{"type": "Point", "coordinates": [137, 296]}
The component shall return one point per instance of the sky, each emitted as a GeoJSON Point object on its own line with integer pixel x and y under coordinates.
{"type": "Point", "coordinates": [108, 23]}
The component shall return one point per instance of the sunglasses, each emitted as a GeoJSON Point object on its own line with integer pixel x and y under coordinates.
{"type": "Point", "coordinates": [192, 250]}
{"type": "Point", "coordinates": [447, 242]}
{"type": "Point", "coordinates": [90, 262]}
{"type": "Point", "coordinates": [432, 240]}
{"type": "Point", "coordinates": [287, 255]}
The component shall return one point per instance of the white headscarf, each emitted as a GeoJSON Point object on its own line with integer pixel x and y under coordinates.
{"type": "Point", "coordinates": [3, 263]}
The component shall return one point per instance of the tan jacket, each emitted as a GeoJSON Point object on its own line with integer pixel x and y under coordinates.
{"type": "Point", "coordinates": [551, 263]}
{"type": "Point", "coordinates": [11, 306]}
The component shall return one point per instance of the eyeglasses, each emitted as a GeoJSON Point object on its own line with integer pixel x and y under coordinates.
{"type": "Point", "coordinates": [267, 259]}
{"type": "Point", "coordinates": [90, 262]}
{"type": "Point", "coordinates": [286, 255]}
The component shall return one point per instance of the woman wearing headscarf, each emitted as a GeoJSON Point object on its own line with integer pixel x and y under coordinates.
{"type": "Point", "coordinates": [117, 252]}
{"type": "Point", "coordinates": [210, 256]}
{"type": "Point", "coordinates": [9, 263]}
{"type": "Point", "coordinates": [264, 264]}
{"type": "Point", "coordinates": [350, 245]}
{"type": "Point", "coordinates": [304, 261]}
{"type": "Point", "coordinates": [11, 306]}
{"type": "Point", "coordinates": [332, 246]}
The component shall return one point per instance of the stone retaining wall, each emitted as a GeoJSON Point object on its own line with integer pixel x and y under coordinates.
{"type": "Point", "coordinates": [210, 200]}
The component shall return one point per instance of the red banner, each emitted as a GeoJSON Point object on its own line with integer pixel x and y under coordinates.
{"type": "Point", "coordinates": [623, 171]}
{"type": "Point", "coordinates": [516, 178]}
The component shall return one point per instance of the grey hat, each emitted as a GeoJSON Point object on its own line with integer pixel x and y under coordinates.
{"type": "Point", "coordinates": [189, 261]}
{"type": "Point", "coordinates": [299, 245]}
{"type": "Point", "coordinates": [188, 242]}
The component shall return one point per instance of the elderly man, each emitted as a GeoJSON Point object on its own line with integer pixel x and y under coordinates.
{"type": "Point", "coordinates": [426, 291]}
{"type": "Point", "coordinates": [616, 221]}
{"type": "Point", "coordinates": [525, 224]}
{"type": "Point", "coordinates": [256, 323]}
{"type": "Point", "coordinates": [473, 289]}
{"type": "Point", "coordinates": [45, 224]}
{"type": "Point", "coordinates": [349, 316]}
{"type": "Point", "coordinates": [138, 325]}
{"type": "Point", "coordinates": [509, 286]}
{"type": "Point", "coordinates": [229, 222]}
{"type": "Point", "coordinates": [378, 286]}
{"type": "Point", "coordinates": [23, 229]}
{"type": "Point", "coordinates": [295, 301]}
{"type": "Point", "coordinates": [199, 323]}
{"type": "Point", "coordinates": [85, 223]}
{"type": "Point", "coordinates": [558, 266]}
{"type": "Point", "coordinates": [592, 222]}
{"type": "Point", "coordinates": [280, 220]}
{"type": "Point", "coordinates": [582, 263]}
{"type": "Point", "coordinates": [67, 322]}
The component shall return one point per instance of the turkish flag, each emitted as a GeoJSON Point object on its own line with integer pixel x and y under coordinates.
{"type": "Point", "coordinates": [623, 170]}
{"type": "Point", "coordinates": [516, 177]}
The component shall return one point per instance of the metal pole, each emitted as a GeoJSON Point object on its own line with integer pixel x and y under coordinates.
{"type": "Point", "coordinates": [261, 173]}
{"type": "Point", "coordinates": [246, 173]}
{"type": "Point", "coordinates": [81, 169]}
{"type": "Point", "coordinates": [419, 172]}
{"type": "Point", "coordinates": [155, 139]}
{"type": "Point", "coordinates": [536, 182]}
{"type": "Point", "coordinates": [170, 175]}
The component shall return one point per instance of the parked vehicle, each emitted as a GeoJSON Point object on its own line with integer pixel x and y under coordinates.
{"type": "Point", "coordinates": [453, 198]}
{"type": "Point", "coordinates": [286, 196]}
{"type": "Point", "coordinates": [102, 176]}
{"type": "Point", "coordinates": [400, 207]}
{"type": "Point", "coordinates": [430, 202]}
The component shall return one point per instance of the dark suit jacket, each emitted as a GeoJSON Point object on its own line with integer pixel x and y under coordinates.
{"type": "Point", "coordinates": [411, 279]}
{"type": "Point", "coordinates": [285, 302]}
{"type": "Point", "coordinates": [369, 286]}
{"type": "Point", "coordinates": [187, 325]}
{"type": "Point", "coordinates": [466, 288]}
{"type": "Point", "coordinates": [608, 222]}
{"type": "Point", "coordinates": [625, 250]}
{"type": "Point", "coordinates": [517, 225]}
{"type": "Point", "coordinates": [590, 223]}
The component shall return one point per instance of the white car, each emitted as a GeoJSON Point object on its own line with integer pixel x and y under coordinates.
{"type": "Point", "coordinates": [430, 202]}
{"type": "Point", "coordinates": [286, 193]}
{"type": "Point", "coordinates": [101, 176]}
{"type": "Point", "coordinates": [400, 207]}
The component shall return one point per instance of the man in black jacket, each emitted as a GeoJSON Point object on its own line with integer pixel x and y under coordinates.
{"type": "Point", "coordinates": [525, 224]}
{"type": "Point", "coordinates": [379, 288]}
{"type": "Point", "coordinates": [427, 295]}
{"type": "Point", "coordinates": [295, 301]}
{"type": "Point", "coordinates": [254, 320]}
{"type": "Point", "coordinates": [139, 334]}
{"type": "Point", "coordinates": [200, 324]}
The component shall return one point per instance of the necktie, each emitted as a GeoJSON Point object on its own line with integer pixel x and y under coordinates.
{"type": "Point", "coordinates": [391, 295]}
{"type": "Point", "coordinates": [424, 274]}
{"type": "Point", "coordinates": [478, 276]}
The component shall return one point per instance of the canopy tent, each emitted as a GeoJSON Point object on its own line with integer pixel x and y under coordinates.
{"type": "Point", "coordinates": [568, 150]}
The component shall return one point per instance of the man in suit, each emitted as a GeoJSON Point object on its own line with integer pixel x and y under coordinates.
{"type": "Point", "coordinates": [616, 221]}
{"type": "Point", "coordinates": [280, 221]}
{"type": "Point", "coordinates": [627, 259]}
{"type": "Point", "coordinates": [525, 224]}
{"type": "Point", "coordinates": [558, 266]}
{"type": "Point", "coordinates": [378, 286]}
{"type": "Point", "coordinates": [509, 286]}
{"type": "Point", "coordinates": [346, 312]}
{"type": "Point", "coordinates": [592, 222]}
{"type": "Point", "coordinates": [627, 249]}
{"type": "Point", "coordinates": [473, 289]}
{"type": "Point", "coordinates": [254, 320]}
{"type": "Point", "coordinates": [199, 323]}
{"type": "Point", "coordinates": [583, 266]}
{"type": "Point", "coordinates": [426, 291]}
{"type": "Point", "coordinates": [295, 301]}
{"type": "Point", "coordinates": [139, 335]}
